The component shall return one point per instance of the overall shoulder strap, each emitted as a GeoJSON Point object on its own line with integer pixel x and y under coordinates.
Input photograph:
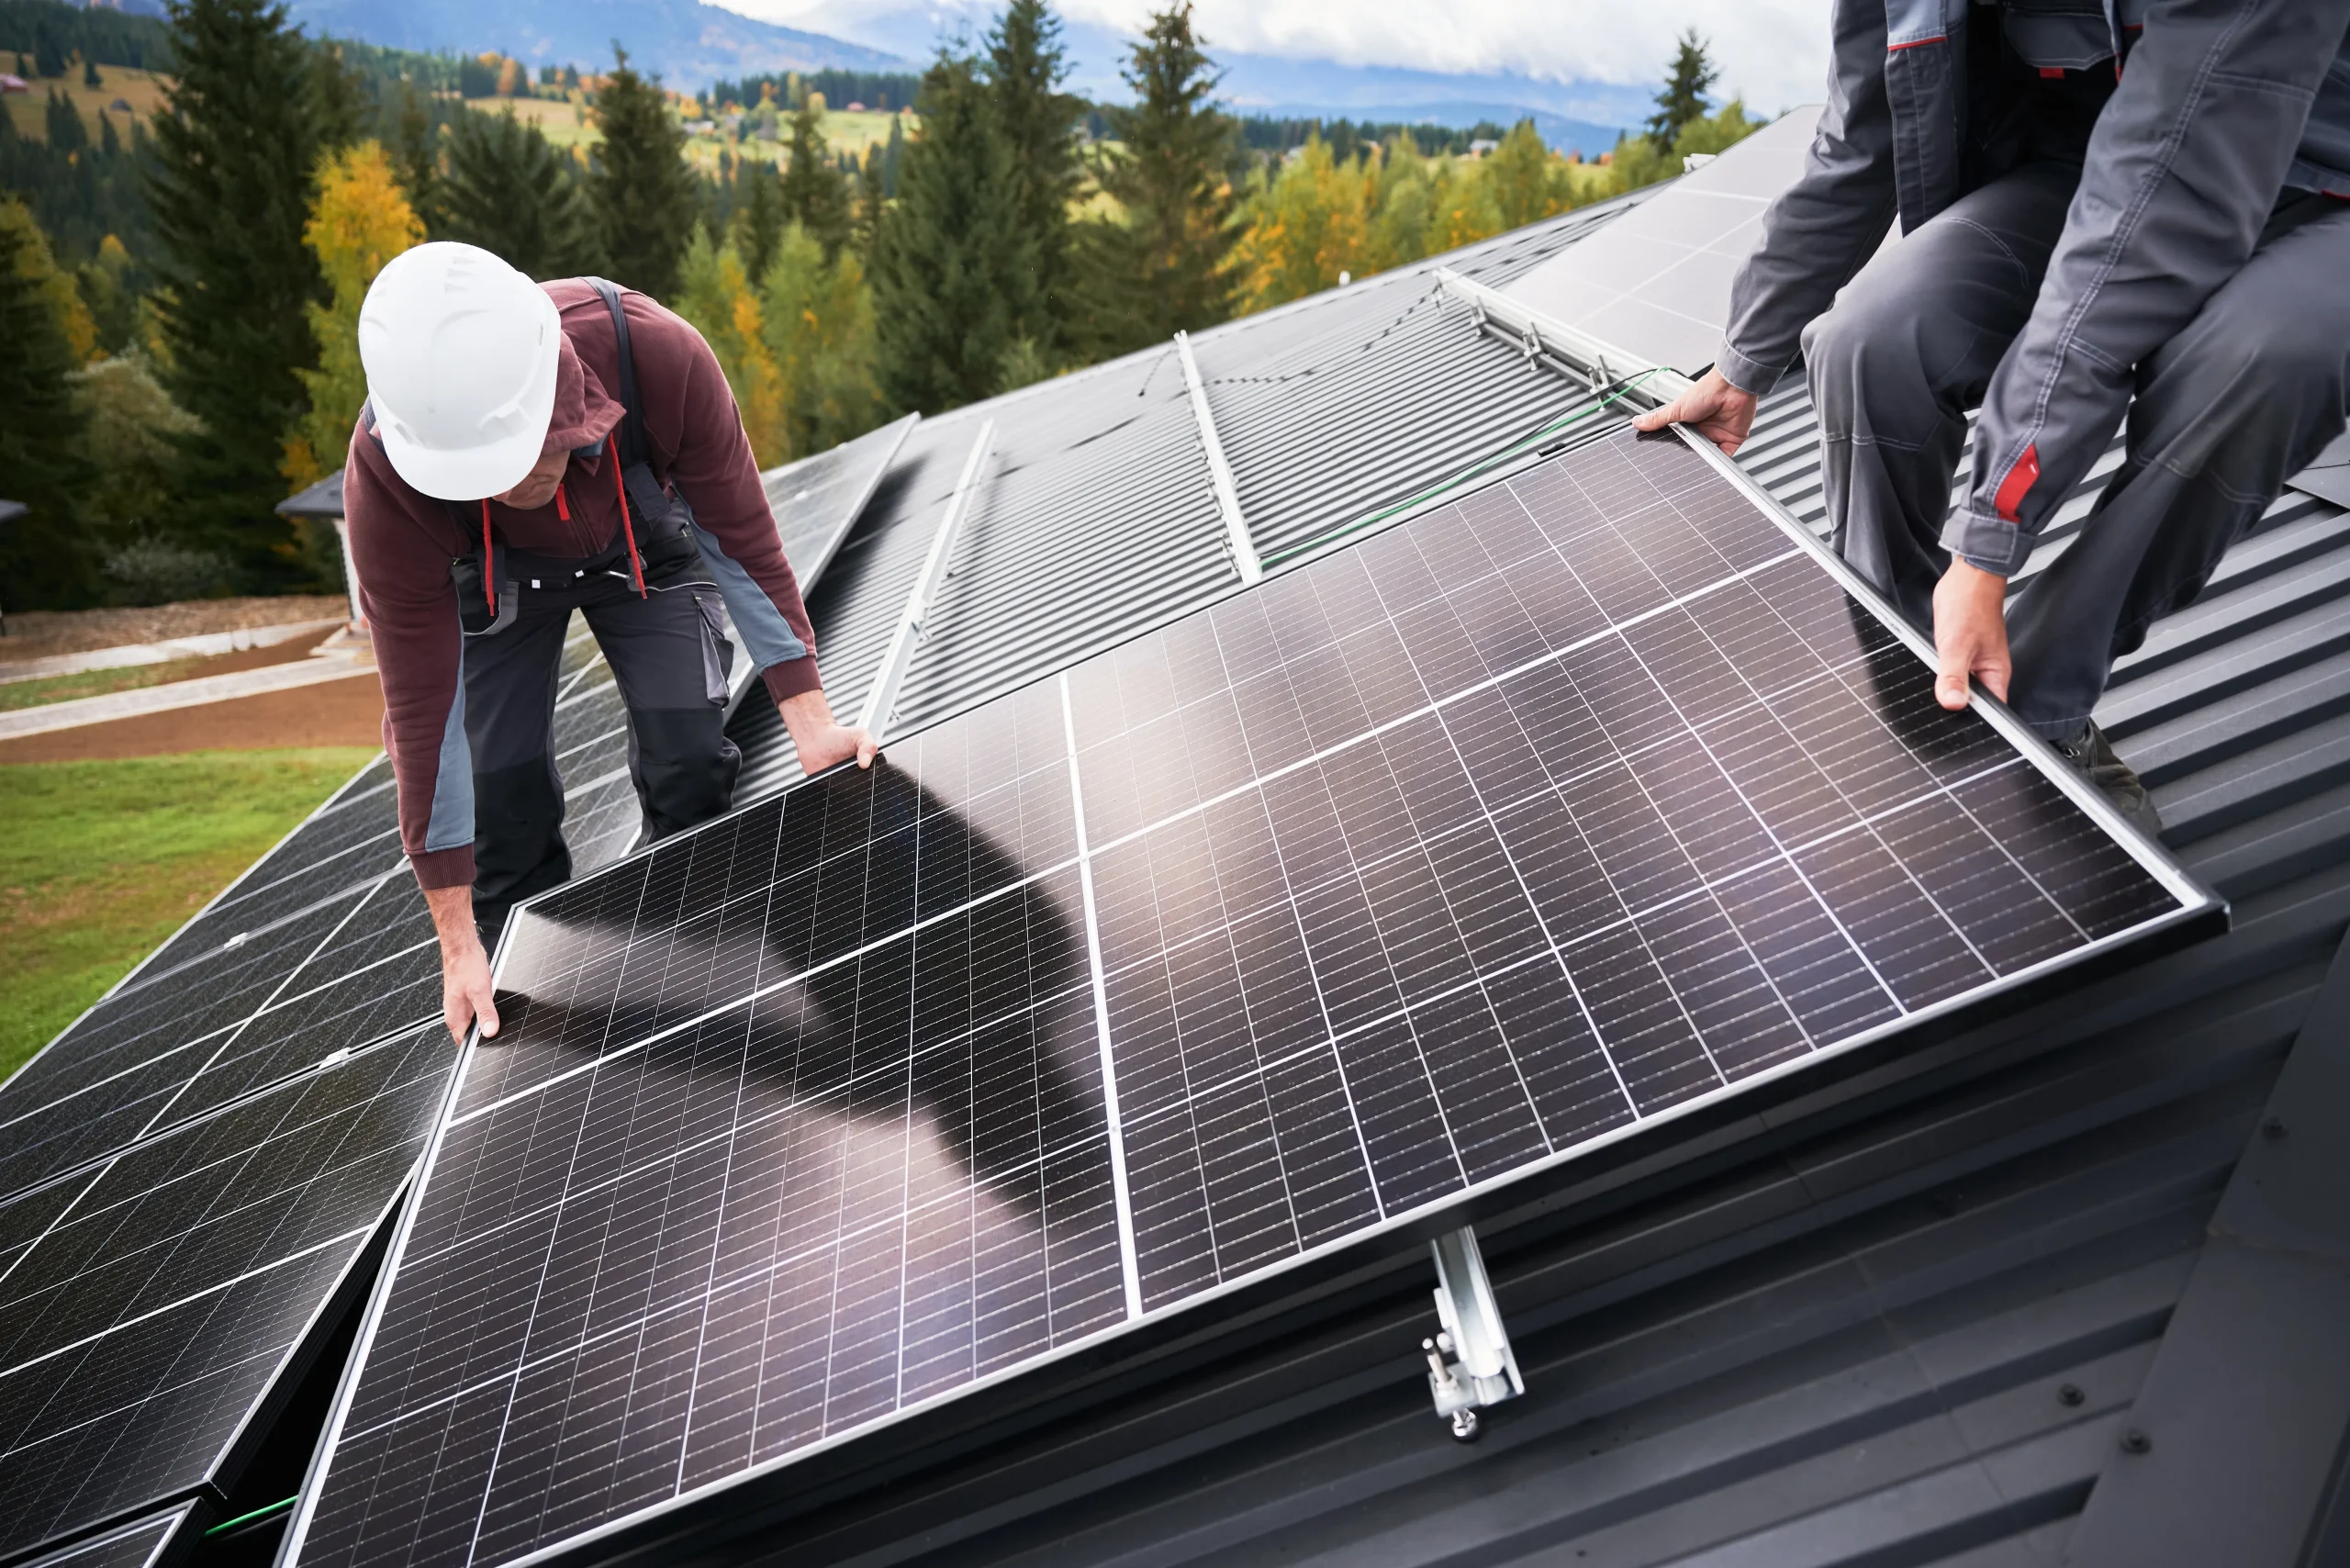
{"type": "Point", "coordinates": [634, 448]}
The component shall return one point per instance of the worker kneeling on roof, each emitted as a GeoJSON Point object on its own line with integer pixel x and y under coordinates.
{"type": "Point", "coordinates": [527, 451]}
{"type": "Point", "coordinates": [2136, 206]}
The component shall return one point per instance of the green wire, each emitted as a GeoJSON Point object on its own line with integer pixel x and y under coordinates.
{"type": "Point", "coordinates": [262, 1513]}
{"type": "Point", "coordinates": [1606, 401]}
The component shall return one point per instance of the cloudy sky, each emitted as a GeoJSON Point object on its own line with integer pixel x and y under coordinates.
{"type": "Point", "coordinates": [1773, 51]}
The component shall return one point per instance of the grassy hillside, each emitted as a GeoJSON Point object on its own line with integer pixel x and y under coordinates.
{"type": "Point", "coordinates": [143, 90]}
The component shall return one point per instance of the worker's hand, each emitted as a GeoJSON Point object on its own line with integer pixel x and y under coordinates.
{"type": "Point", "coordinates": [464, 967]}
{"type": "Point", "coordinates": [1970, 633]}
{"type": "Point", "coordinates": [1713, 408]}
{"type": "Point", "coordinates": [820, 739]}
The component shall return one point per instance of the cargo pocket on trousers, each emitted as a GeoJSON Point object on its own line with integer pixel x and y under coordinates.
{"type": "Point", "coordinates": [717, 653]}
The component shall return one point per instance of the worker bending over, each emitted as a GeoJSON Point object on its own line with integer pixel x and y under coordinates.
{"type": "Point", "coordinates": [2136, 207]}
{"type": "Point", "coordinates": [527, 451]}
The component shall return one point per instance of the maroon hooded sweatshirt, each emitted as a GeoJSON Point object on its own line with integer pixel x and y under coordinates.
{"type": "Point", "coordinates": [403, 542]}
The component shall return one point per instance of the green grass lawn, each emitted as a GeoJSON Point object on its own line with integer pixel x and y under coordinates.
{"type": "Point", "coordinates": [100, 861]}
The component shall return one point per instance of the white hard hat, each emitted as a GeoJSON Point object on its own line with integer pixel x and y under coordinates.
{"type": "Point", "coordinates": [461, 352]}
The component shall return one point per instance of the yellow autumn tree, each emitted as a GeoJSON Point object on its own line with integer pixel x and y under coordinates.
{"type": "Point", "coordinates": [35, 262]}
{"type": "Point", "coordinates": [1526, 183]}
{"type": "Point", "coordinates": [359, 221]}
{"type": "Point", "coordinates": [1463, 210]}
{"type": "Point", "coordinates": [1306, 225]}
{"type": "Point", "coordinates": [716, 295]}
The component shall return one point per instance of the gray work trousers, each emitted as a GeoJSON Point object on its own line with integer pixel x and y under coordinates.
{"type": "Point", "coordinates": [2245, 394]}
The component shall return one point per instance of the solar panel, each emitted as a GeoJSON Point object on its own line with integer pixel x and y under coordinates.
{"type": "Point", "coordinates": [1436, 865]}
{"type": "Point", "coordinates": [1655, 282]}
{"type": "Point", "coordinates": [150, 1300]}
{"type": "Point", "coordinates": [149, 1543]}
{"type": "Point", "coordinates": [817, 500]}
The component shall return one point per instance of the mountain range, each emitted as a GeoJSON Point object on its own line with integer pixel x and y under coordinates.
{"type": "Point", "coordinates": [689, 43]}
{"type": "Point", "coordinates": [686, 43]}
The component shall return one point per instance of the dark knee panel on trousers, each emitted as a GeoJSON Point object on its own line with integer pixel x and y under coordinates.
{"type": "Point", "coordinates": [518, 838]}
{"type": "Point", "coordinates": [684, 767]}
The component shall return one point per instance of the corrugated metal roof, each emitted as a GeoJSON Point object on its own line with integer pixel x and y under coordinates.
{"type": "Point", "coordinates": [1095, 519]}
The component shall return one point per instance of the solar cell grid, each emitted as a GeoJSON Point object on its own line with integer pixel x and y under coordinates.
{"type": "Point", "coordinates": [145, 1544]}
{"type": "Point", "coordinates": [148, 1301]}
{"type": "Point", "coordinates": [816, 500]}
{"type": "Point", "coordinates": [1429, 863]}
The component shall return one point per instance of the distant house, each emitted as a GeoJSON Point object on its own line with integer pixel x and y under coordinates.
{"type": "Point", "coordinates": [9, 84]}
{"type": "Point", "coordinates": [322, 502]}
{"type": "Point", "coordinates": [122, 107]}
{"type": "Point", "coordinates": [1481, 146]}
{"type": "Point", "coordinates": [854, 107]}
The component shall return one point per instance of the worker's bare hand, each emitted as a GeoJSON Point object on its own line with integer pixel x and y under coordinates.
{"type": "Point", "coordinates": [1713, 408]}
{"type": "Point", "coordinates": [820, 739]}
{"type": "Point", "coordinates": [1970, 633]}
{"type": "Point", "coordinates": [465, 991]}
{"type": "Point", "coordinates": [464, 967]}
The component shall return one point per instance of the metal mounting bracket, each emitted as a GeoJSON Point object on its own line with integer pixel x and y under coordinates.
{"type": "Point", "coordinates": [1483, 1371]}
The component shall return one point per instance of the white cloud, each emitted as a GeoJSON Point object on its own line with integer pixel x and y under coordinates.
{"type": "Point", "coordinates": [1773, 51]}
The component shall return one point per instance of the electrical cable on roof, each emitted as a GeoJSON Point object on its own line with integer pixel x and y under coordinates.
{"type": "Point", "coordinates": [1603, 399]}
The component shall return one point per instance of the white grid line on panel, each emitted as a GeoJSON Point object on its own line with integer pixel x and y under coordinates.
{"type": "Point", "coordinates": [1321, 998]}
{"type": "Point", "coordinates": [1129, 1269]}
{"type": "Point", "coordinates": [1560, 952]}
{"type": "Point", "coordinates": [135, 1319]}
{"type": "Point", "coordinates": [776, 1263]}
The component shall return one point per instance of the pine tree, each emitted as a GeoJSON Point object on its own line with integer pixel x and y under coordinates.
{"type": "Point", "coordinates": [1684, 98]}
{"type": "Point", "coordinates": [90, 77]}
{"type": "Point", "coordinates": [644, 193]}
{"type": "Point", "coordinates": [513, 192]}
{"type": "Point", "coordinates": [415, 156]}
{"type": "Point", "coordinates": [952, 270]}
{"type": "Point", "coordinates": [229, 193]}
{"type": "Point", "coordinates": [760, 216]}
{"type": "Point", "coordinates": [1167, 267]}
{"type": "Point", "coordinates": [45, 561]}
{"type": "Point", "coordinates": [359, 221]}
{"type": "Point", "coordinates": [814, 194]}
{"type": "Point", "coordinates": [1026, 63]}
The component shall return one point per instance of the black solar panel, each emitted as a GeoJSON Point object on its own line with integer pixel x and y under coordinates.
{"type": "Point", "coordinates": [150, 1300]}
{"type": "Point", "coordinates": [1429, 867]}
{"type": "Point", "coordinates": [151, 1542]}
{"type": "Point", "coordinates": [817, 500]}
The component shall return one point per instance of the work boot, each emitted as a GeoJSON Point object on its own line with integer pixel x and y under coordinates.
{"type": "Point", "coordinates": [2093, 755]}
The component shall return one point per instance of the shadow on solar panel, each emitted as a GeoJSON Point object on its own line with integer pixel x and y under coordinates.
{"type": "Point", "coordinates": [1515, 839]}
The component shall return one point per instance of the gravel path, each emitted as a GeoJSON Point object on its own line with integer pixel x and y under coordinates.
{"type": "Point", "coordinates": [37, 633]}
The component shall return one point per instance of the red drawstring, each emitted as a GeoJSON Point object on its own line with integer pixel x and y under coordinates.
{"type": "Point", "coordinates": [611, 449]}
{"type": "Point", "coordinates": [562, 502]}
{"type": "Point", "coordinates": [488, 583]}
